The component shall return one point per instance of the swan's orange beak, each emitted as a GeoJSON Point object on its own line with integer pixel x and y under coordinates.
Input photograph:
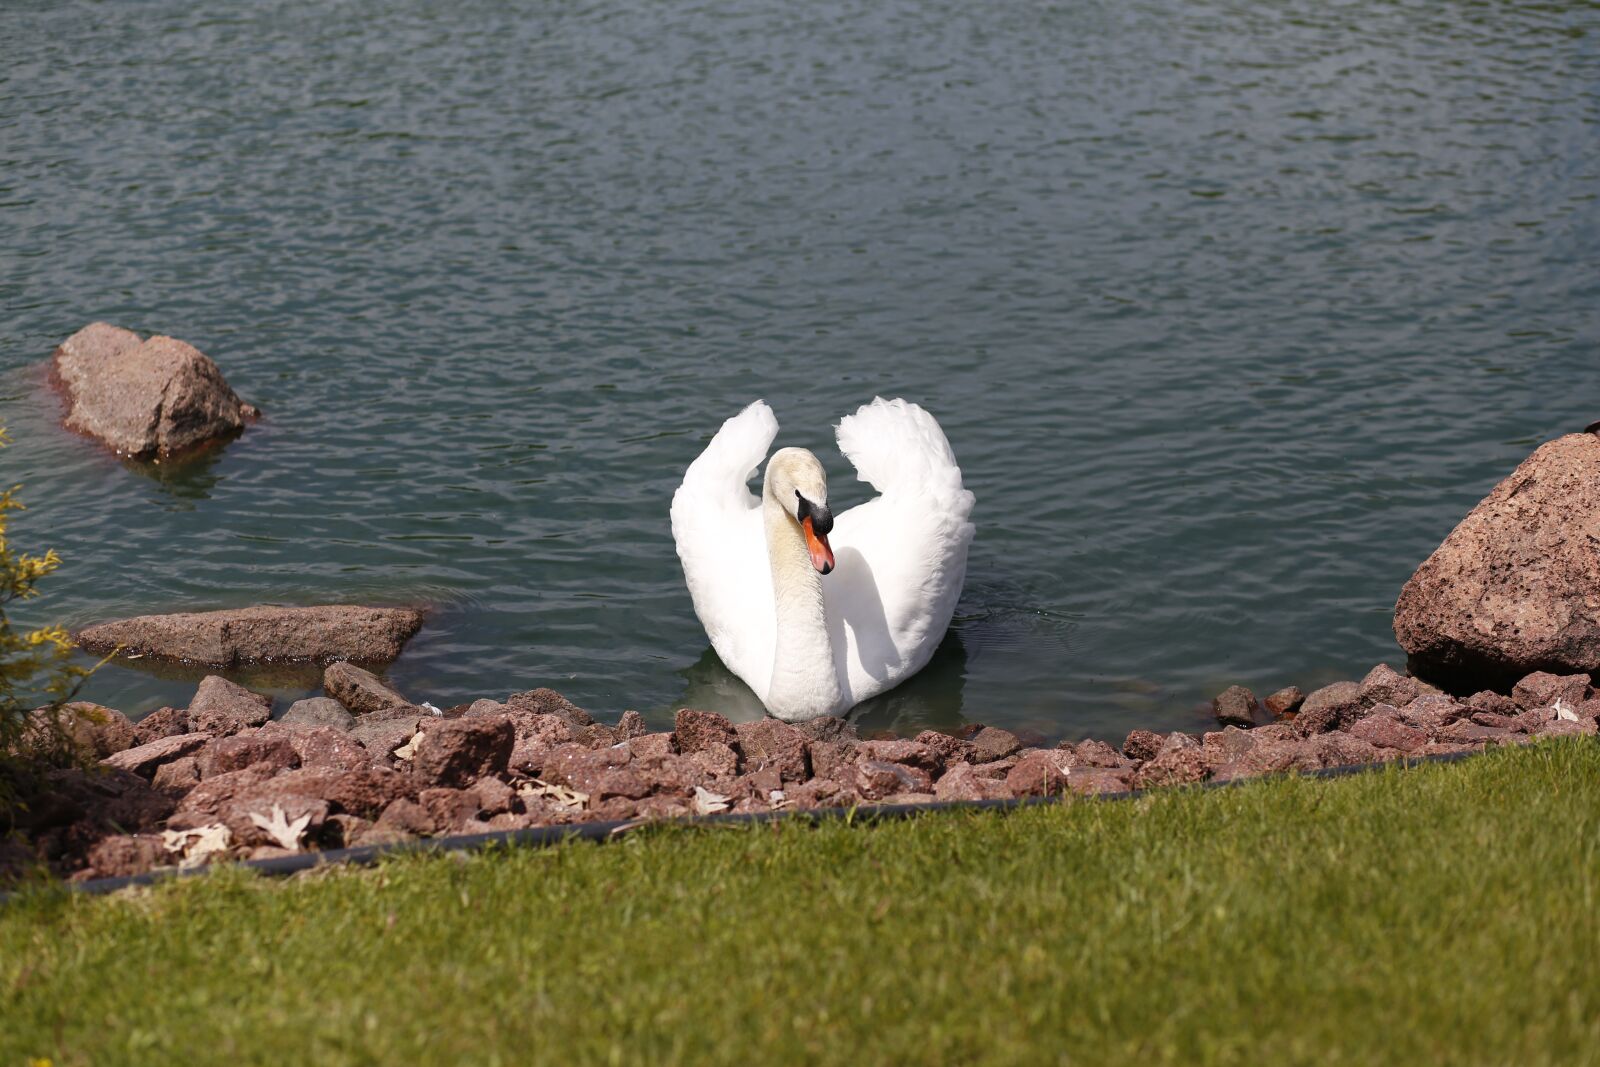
{"type": "Point", "coordinates": [821, 554]}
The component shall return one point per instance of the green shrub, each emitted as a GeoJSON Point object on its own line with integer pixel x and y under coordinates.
{"type": "Point", "coordinates": [34, 670]}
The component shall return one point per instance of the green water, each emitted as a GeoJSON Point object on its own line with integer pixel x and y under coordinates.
{"type": "Point", "coordinates": [1230, 311]}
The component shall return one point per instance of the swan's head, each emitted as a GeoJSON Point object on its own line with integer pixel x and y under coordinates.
{"type": "Point", "coordinates": [799, 485]}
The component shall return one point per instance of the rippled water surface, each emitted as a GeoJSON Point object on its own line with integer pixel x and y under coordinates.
{"type": "Point", "coordinates": [1230, 311]}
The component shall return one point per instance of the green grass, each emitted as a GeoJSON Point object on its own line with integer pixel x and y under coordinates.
{"type": "Point", "coordinates": [1442, 914]}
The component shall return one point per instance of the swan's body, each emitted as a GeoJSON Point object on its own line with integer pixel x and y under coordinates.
{"type": "Point", "coordinates": [807, 643]}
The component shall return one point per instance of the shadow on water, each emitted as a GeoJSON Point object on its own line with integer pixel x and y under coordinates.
{"type": "Point", "coordinates": [929, 700]}
{"type": "Point", "coordinates": [186, 478]}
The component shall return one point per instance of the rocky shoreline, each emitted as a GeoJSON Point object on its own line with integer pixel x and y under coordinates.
{"type": "Point", "coordinates": [224, 779]}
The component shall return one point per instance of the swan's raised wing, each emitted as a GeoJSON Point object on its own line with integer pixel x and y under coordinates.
{"type": "Point", "coordinates": [716, 522]}
{"type": "Point", "coordinates": [902, 557]}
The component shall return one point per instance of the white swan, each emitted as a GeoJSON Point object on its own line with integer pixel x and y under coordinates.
{"type": "Point", "coordinates": [817, 615]}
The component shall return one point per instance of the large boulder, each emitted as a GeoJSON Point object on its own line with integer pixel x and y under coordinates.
{"type": "Point", "coordinates": [144, 398]}
{"type": "Point", "coordinates": [1515, 588]}
{"type": "Point", "coordinates": [260, 635]}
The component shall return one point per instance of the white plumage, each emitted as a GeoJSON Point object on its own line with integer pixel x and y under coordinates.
{"type": "Point", "coordinates": [900, 558]}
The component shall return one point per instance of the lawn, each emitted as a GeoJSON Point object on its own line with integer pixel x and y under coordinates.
{"type": "Point", "coordinates": [1443, 913]}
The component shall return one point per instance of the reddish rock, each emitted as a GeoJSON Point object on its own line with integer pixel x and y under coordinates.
{"type": "Point", "coordinates": [599, 773]}
{"type": "Point", "coordinates": [1178, 740]}
{"type": "Point", "coordinates": [126, 855]}
{"type": "Point", "coordinates": [631, 725]}
{"type": "Point", "coordinates": [961, 782]}
{"type": "Point", "coordinates": [1285, 703]}
{"type": "Point", "coordinates": [1430, 712]}
{"type": "Point", "coordinates": [550, 702]}
{"type": "Point", "coordinates": [819, 793]}
{"type": "Point", "coordinates": [1385, 685]}
{"type": "Point", "coordinates": [696, 729]}
{"type": "Point", "coordinates": [996, 769]}
{"type": "Point", "coordinates": [1237, 706]}
{"type": "Point", "coordinates": [1141, 745]}
{"type": "Point", "coordinates": [1503, 722]}
{"type": "Point", "coordinates": [1340, 749]}
{"type": "Point", "coordinates": [770, 743]}
{"type": "Point", "coordinates": [144, 759]}
{"type": "Point", "coordinates": [163, 722]}
{"type": "Point", "coordinates": [911, 753]}
{"type": "Point", "coordinates": [1467, 731]}
{"type": "Point", "coordinates": [94, 730]}
{"type": "Point", "coordinates": [410, 818]}
{"type": "Point", "coordinates": [1042, 772]}
{"type": "Point", "coordinates": [359, 690]}
{"type": "Point", "coordinates": [457, 752]}
{"type": "Point", "coordinates": [384, 731]}
{"type": "Point", "coordinates": [245, 750]}
{"type": "Point", "coordinates": [596, 735]}
{"type": "Point", "coordinates": [992, 743]}
{"type": "Point", "coordinates": [1093, 753]}
{"type": "Point", "coordinates": [1489, 700]}
{"type": "Point", "coordinates": [644, 746]}
{"type": "Point", "coordinates": [1179, 765]}
{"type": "Point", "coordinates": [1567, 728]}
{"type": "Point", "coordinates": [177, 777]}
{"type": "Point", "coordinates": [1511, 589]}
{"type": "Point", "coordinates": [148, 398]}
{"type": "Point", "coordinates": [321, 746]}
{"type": "Point", "coordinates": [220, 707]}
{"type": "Point", "coordinates": [1329, 708]}
{"type": "Point", "coordinates": [1387, 731]}
{"type": "Point", "coordinates": [341, 831]}
{"type": "Point", "coordinates": [834, 759]}
{"type": "Point", "coordinates": [319, 711]}
{"type": "Point", "coordinates": [494, 796]}
{"type": "Point", "coordinates": [1097, 781]}
{"type": "Point", "coordinates": [879, 780]}
{"type": "Point", "coordinates": [1542, 689]}
{"type": "Point", "coordinates": [951, 750]}
{"type": "Point", "coordinates": [715, 760]}
{"type": "Point", "coordinates": [1222, 747]}
{"type": "Point", "coordinates": [829, 728]}
{"type": "Point", "coordinates": [261, 635]}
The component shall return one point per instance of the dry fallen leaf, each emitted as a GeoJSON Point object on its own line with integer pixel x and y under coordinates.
{"type": "Point", "coordinates": [777, 799]}
{"type": "Point", "coordinates": [564, 798]}
{"type": "Point", "coordinates": [287, 834]}
{"type": "Point", "coordinates": [409, 749]}
{"type": "Point", "coordinates": [708, 803]}
{"type": "Point", "coordinates": [1563, 711]}
{"type": "Point", "coordinates": [197, 845]}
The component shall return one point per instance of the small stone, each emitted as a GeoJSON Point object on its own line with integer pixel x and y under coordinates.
{"type": "Point", "coordinates": [1092, 753]}
{"type": "Point", "coordinates": [246, 750]}
{"type": "Point", "coordinates": [951, 750]}
{"type": "Point", "coordinates": [1237, 706]}
{"type": "Point", "coordinates": [834, 759]}
{"type": "Point", "coordinates": [992, 743]}
{"type": "Point", "coordinates": [768, 742]}
{"type": "Point", "coordinates": [163, 722]}
{"type": "Point", "coordinates": [1285, 703]}
{"type": "Point", "coordinates": [1385, 685]}
{"type": "Point", "coordinates": [1466, 731]}
{"type": "Point", "coordinates": [126, 855]}
{"type": "Point", "coordinates": [1222, 747]}
{"type": "Point", "coordinates": [359, 690]}
{"type": "Point", "coordinates": [319, 711]}
{"type": "Point", "coordinates": [383, 732]}
{"type": "Point", "coordinates": [1541, 689]}
{"type": "Point", "coordinates": [631, 725]}
{"type": "Point", "coordinates": [407, 817]}
{"type": "Point", "coordinates": [322, 746]}
{"type": "Point", "coordinates": [221, 707]}
{"type": "Point", "coordinates": [1141, 745]}
{"type": "Point", "coordinates": [911, 753]}
{"type": "Point", "coordinates": [1041, 772]}
{"type": "Point", "coordinates": [457, 752]}
{"type": "Point", "coordinates": [877, 779]}
{"type": "Point", "coordinates": [1489, 700]}
{"type": "Point", "coordinates": [1329, 708]}
{"type": "Point", "coordinates": [550, 702]}
{"type": "Point", "coordinates": [1098, 781]}
{"type": "Point", "coordinates": [1173, 766]}
{"type": "Point", "coordinates": [960, 782]}
{"type": "Point", "coordinates": [1385, 730]}
{"type": "Point", "coordinates": [715, 760]}
{"type": "Point", "coordinates": [996, 769]}
{"type": "Point", "coordinates": [696, 729]}
{"type": "Point", "coordinates": [829, 728]}
{"type": "Point", "coordinates": [179, 776]}
{"type": "Point", "coordinates": [144, 759]}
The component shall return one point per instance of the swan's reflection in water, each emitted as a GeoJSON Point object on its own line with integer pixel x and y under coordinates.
{"type": "Point", "coordinates": [928, 700]}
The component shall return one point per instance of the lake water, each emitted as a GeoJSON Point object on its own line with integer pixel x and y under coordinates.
{"type": "Point", "coordinates": [1230, 312]}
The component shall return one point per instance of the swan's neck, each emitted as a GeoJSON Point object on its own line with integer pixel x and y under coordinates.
{"type": "Point", "coordinates": [805, 683]}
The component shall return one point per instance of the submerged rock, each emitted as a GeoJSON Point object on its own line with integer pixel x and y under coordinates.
{"type": "Point", "coordinates": [260, 635]}
{"type": "Point", "coordinates": [144, 398]}
{"type": "Point", "coordinates": [1513, 588]}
